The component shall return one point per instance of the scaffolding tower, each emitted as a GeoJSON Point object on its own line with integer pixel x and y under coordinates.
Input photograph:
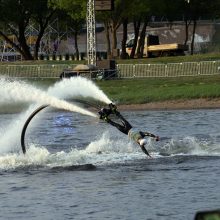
{"type": "Point", "coordinates": [48, 46]}
{"type": "Point", "coordinates": [91, 37]}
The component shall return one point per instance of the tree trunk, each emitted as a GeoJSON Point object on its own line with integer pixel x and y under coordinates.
{"type": "Point", "coordinates": [23, 43]}
{"type": "Point", "coordinates": [107, 36]}
{"type": "Point", "coordinates": [114, 27]}
{"type": "Point", "coordinates": [137, 25]}
{"type": "Point", "coordinates": [114, 37]}
{"type": "Point", "coordinates": [37, 44]}
{"type": "Point", "coordinates": [76, 44]}
{"type": "Point", "coordinates": [141, 42]}
{"type": "Point", "coordinates": [187, 23]}
{"type": "Point", "coordinates": [43, 26]}
{"type": "Point", "coordinates": [124, 54]}
{"type": "Point", "coordinates": [193, 37]}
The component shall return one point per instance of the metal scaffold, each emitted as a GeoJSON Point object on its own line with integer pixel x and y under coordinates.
{"type": "Point", "coordinates": [49, 43]}
{"type": "Point", "coordinates": [91, 37]}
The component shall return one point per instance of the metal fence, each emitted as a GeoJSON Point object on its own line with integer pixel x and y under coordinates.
{"type": "Point", "coordinates": [169, 70]}
{"type": "Point", "coordinates": [34, 71]}
{"type": "Point", "coordinates": [123, 70]}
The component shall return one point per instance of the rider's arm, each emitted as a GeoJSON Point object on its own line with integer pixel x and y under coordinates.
{"type": "Point", "coordinates": [150, 135]}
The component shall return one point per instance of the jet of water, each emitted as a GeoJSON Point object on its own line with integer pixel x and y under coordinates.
{"type": "Point", "coordinates": [78, 86]}
{"type": "Point", "coordinates": [21, 92]}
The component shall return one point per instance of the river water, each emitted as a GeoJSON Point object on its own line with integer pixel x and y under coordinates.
{"type": "Point", "coordinates": [77, 167]}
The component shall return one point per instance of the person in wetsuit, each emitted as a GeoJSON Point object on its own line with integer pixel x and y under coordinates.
{"type": "Point", "coordinates": [126, 128]}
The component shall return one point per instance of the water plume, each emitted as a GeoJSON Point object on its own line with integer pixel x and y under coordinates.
{"type": "Point", "coordinates": [78, 86]}
{"type": "Point", "coordinates": [21, 92]}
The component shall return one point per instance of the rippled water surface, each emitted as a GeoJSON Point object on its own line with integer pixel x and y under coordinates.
{"type": "Point", "coordinates": [79, 168]}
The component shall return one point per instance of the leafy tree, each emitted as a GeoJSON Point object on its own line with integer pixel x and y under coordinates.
{"type": "Point", "coordinates": [145, 12]}
{"type": "Point", "coordinates": [123, 13]}
{"type": "Point", "coordinates": [105, 18]}
{"type": "Point", "coordinates": [76, 16]}
{"type": "Point", "coordinates": [193, 11]}
{"type": "Point", "coordinates": [168, 10]}
{"type": "Point", "coordinates": [112, 21]}
{"type": "Point", "coordinates": [16, 16]}
{"type": "Point", "coordinates": [139, 16]}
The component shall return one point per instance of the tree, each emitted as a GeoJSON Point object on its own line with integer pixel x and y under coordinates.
{"type": "Point", "coordinates": [112, 21]}
{"type": "Point", "coordinates": [124, 54]}
{"type": "Point", "coordinates": [146, 13]}
{"type": "Point", "coordinates": [139, 16]}
{"type": "Point", "coordinates": [105, 18]}
{"type": "Point", "coordinates": [76, 16]}
{"type": "Point", "coordinates": [41, 15]}
{"type": "Point", "coordinates": [16, 16]}
{"type": "Point", "coordinates": [194, 10]}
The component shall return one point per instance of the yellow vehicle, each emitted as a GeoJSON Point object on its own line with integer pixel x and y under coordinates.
{"type": "Point", "coordinates": [153, 48]}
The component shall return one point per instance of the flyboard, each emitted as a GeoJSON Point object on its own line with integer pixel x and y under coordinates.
{"type": "Point", "coordinates": [23, 146]}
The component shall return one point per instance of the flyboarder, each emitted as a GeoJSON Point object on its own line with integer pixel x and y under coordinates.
{"type": "Point", "coordinates": [126, 128]}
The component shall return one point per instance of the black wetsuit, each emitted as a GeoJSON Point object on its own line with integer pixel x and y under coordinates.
{"type": "Point", "coordinates": [126, 127]}
{"type": "Point", "coordinates": [123, 128]}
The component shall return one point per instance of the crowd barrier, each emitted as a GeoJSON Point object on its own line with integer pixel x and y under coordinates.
{"type": "Point", "coordinates": [168, 70]}
{"type": "Point", "coordinates": [123, 70]}
{"type": "Point", "coordinates": [34, 71]}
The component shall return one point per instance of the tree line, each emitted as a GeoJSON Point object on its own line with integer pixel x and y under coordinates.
{"type": "Point", "coordinates": [17, 15]}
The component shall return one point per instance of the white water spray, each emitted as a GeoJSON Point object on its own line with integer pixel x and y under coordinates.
{"type": "Point", "coordinates": [78, 86]}
{"type": "Point", "coordinates": [18, 91]}
{"type": "Point", "coordinates": [99, 152]}
{"type": "Point", "coordinates": [10, 136]}
{"type": "Point", "coordinates": [22, 92]}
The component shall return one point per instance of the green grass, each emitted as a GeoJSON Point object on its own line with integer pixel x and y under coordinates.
{"type": "Point", "coordinates": [137, 91]}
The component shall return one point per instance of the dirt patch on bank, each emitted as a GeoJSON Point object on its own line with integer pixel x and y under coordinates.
{"type": "Point", "coordinates": [175, 105]}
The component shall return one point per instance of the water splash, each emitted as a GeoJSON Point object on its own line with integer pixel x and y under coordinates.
{"type": "Point", "coordinates": [10, 136]}
{"type": "Point", "coordinates": [78, 86]}
{"type": "Point", "coordinates": [189, 146]}
{"type": "Point", "coordinates": [104, 151]}
{"type": "Point", "coordinates": [21, 92]}
{"type": "Point", "coordinates": [99, 152]}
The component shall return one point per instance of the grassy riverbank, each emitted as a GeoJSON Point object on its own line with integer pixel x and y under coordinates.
{"type": "Point", "coordinates": [138, 91]}
{"type": "Point", "coordinates": [146, 90]}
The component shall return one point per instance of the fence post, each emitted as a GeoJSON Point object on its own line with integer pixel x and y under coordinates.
{"type": "Point", "coordinates": [38, 71]}
{"type": "Point", "coordinates": [199, 71]}
{"type": "Point", "coordinates": [118, 71]}
{"type": "Point", "coordinates": [166, 73]}
{"type": "Point", "coordinates": [8, 70]}
{"type": "Point", "coordinates": [134, 70]}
